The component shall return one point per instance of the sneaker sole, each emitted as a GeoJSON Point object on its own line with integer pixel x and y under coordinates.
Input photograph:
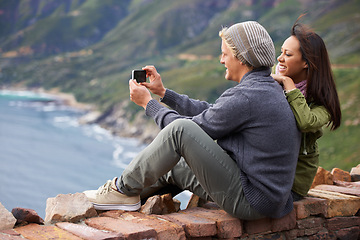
{"type": "Point", "coordinates": [125, 207]}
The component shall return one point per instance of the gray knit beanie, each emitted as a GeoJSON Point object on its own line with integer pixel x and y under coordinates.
{"type": "Point", "coordinates": [250, 43]}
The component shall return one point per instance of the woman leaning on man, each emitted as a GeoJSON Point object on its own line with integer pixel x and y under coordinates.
{"type": "Point", "coordinates": [305, 73]}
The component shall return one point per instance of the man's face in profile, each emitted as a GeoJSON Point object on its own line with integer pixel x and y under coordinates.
{"type": "Point", "coordinates": [230, 62]}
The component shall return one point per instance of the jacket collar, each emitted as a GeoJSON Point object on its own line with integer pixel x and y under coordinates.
{"type": "Point", "coordinates": [257, 72]}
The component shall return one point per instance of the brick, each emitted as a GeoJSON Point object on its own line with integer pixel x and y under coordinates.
{"type": "Point", "coordinates": [211, 205]}
{"type": "Point", "coordinates": [285, 223]}
{"type": "Point", "coordinates": [339, 189]}
{"type": "Point", "coordinates": [348, 233]}
{"type": "Point", "coordinates": [342, 222]}
{"type": "Point", "coordinates": [194, 226]}
{"type": "Point", "coordinates": [10, 237]}
{"type": "Point", "coordinates": [169, 206]}
{"type": "Point", "coordinates": [332, 236]}
{"type": "Point", "coordinates": [355, 185]}
{"type": "Point", "coordinates": [10, 234]}
{"type": "Point", "coordinates": [177, 204]}
{"type": "Point", "coordinates": [355, 173]}
{"type": "Point", "coordinates": [272, 236]}
{"type": "Point", "coordinates": [157, 204]}
{"type": "Point", "coordinates": [195, 201]}
{"type": "Point", "coordinates": [199, 238]}
{"type": "Point", "coordinates": [227, 225]}
{"type": "Point", "coordinates": [262, 225]}
{"type": "Point", "coordinates": [129, 229]}
{"type": "Point", "coordinates": [338, 204]}
{"type": "Point", "coordinates": [322, 234]}
{"type": "Point", "coordinates": [39, 232]}
{"type": "Point", "coordinates": [26, 215]}
{"type": "Point", "coordinates": [153, 205]}
{"type": "Point", "coordinates": [294, 233]}
{"type": "Point", "coordinates": [89, 233]}
{"type": "Point", "coordinates": [312, 231]}
{"type": "Point", "coordinates": [112, 213]}
{"type": "Point", "coordinates": [310, 206]}
{"type": "Point", "coordinates": [322, 177]}
{"type": "Point", "coordinates": [341, 175]}
{"type": "Point", "coordinates": [164, 229]}
{"type": "Point", "coordinates": [311, 222]}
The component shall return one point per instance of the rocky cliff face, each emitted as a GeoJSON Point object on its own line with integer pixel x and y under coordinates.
{"type": "Point", "coordinates": [116, 120]}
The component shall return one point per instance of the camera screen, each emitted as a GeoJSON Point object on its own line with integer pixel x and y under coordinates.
{"type": "Point", "coordinates": [139, 75]}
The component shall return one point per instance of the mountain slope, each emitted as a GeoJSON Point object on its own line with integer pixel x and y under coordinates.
{"type": "Point", "coordinates": [52, 27]}
{"type": "Point", "coordinates": [89, 47]}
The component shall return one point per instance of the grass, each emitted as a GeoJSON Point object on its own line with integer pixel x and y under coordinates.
{"type": "Point", "coordinates": [340, 148]}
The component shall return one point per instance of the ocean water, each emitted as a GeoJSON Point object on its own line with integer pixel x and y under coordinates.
{"type": "Point", "coordinates": [45, 152]}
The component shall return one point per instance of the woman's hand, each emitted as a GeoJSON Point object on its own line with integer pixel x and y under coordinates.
{"type": "Point", "coordinates": [155, 85]}
{"type": "Point", "coordinates": [139, 94]}
{"type": "Point", "coordinates": [287, 83]}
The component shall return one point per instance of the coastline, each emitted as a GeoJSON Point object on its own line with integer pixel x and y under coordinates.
{"type": "Point", "coordinates": [91, 112]}
{"type": "Point", "coordinates": [67, 99]}
{"type": "Point", "coordinates": [115, 120]}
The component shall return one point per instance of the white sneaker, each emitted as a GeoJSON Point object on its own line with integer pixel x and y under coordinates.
{"type": "Point", "coordinates": [107, 197]}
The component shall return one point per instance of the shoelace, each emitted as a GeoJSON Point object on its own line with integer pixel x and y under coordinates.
{"type": "Point", "coordinates": [105, 188]}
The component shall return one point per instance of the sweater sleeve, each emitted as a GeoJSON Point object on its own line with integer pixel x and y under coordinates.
{"type": "Point", "coordinates": [217, 120]}
{"type": "Point", "coordinates": [183, 104]}
{"type": "Point", "coordinates": [161, 114]}
{"type": "Point", "coordinates": [307, 119]}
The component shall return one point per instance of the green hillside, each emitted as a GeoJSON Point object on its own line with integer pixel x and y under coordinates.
{"type": "Point", "coordinates": [89, 47]}
{"type": "Point", "coordinates": [340, 147]}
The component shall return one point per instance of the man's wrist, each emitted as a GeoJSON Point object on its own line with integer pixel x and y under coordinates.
{"type": "Point", "coordinates": [162, 93]}
{"type": "Point", "coordinates": [146, 103]}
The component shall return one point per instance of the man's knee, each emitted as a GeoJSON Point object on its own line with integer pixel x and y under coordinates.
{"type": "Point", "coordinates": [183, 123]}
{"type": "Point", "coordinates": [180, 126]}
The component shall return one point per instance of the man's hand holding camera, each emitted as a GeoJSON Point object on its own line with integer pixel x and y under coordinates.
{"type": "Point", "coordinates": [139, 92]}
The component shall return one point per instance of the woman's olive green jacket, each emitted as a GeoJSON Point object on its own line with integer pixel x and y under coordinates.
{"type": "Point", "coordinates": [310, 118]}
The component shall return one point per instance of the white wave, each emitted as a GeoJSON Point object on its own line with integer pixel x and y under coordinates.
{"type": "Point", "coordinates": [25, 94]}
{"type": "Point", "coordinates": [97, 132]}
{"type": "Point", "coordinates": [117, 157]}
{"type": "Point", "coordinates": [62, 119]}
{"type": "Point", "coordinates": [65, 121]}
{"type": "Point", "coordinates": [118, 151]}
{"type": "Point", "coordinates": [48, 108]}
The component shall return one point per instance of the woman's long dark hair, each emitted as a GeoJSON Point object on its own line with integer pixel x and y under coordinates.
{"type": "Point", "coordinates": [321, 87]}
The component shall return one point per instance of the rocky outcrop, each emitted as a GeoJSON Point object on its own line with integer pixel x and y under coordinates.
{"type": "Point", "coordinates": [7, 220]}
{"type": "Point", "coordinates": [330, 211]}
{"type": "Point", "coordinates": [26, 216]}
{"type": "Point", "coordinates": [117, 120]}
{"type": "Point", "coordinates": [164, 204]}
{"type": "Point", "coordinates": [68, 208]}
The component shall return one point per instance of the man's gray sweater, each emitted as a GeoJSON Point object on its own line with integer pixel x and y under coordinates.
{"type": "Point", "coordinates": [253, 122]}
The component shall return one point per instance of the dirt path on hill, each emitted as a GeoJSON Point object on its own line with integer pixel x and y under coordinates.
{"type": "Point", "coordinates": [345, 66]}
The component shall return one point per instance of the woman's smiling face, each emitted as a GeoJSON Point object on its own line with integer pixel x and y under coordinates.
{"type": "Point", "coordinates": [291, 62]}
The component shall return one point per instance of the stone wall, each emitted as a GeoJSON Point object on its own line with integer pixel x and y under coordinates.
{"type": "Point", "coordinates": [330, 211]}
